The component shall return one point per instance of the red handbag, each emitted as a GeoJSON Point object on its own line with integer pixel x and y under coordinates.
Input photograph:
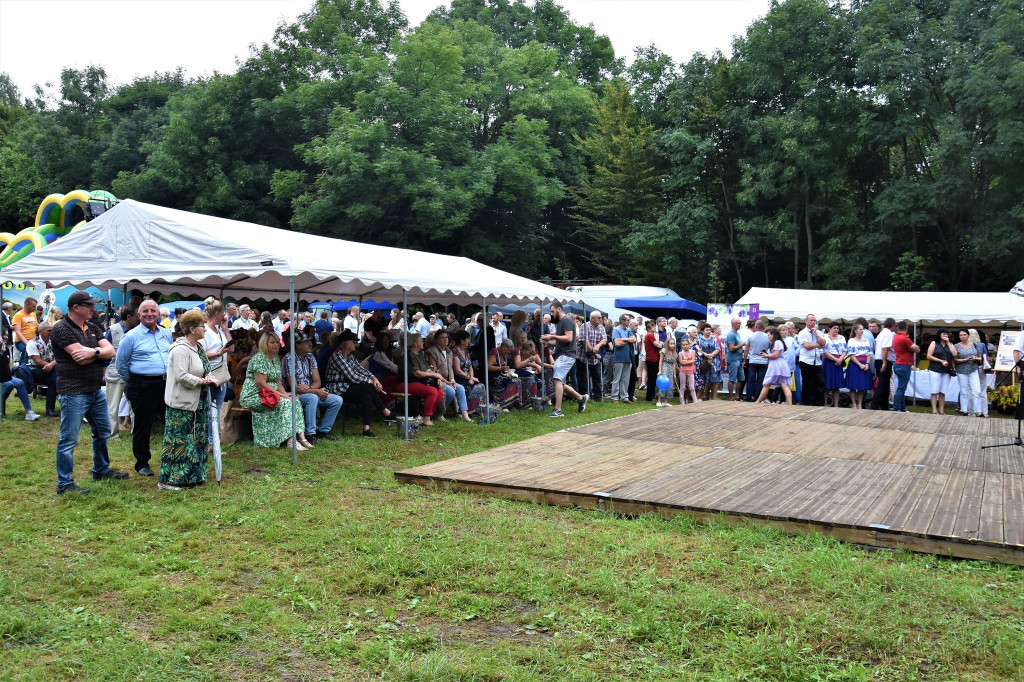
{"type": "Point", "coordinates": [269, 398]}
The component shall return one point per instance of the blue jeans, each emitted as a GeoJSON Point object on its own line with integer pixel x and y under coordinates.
{"type": "Point", "coordinates": [755, 380]}
{"type": "Point", "coordinates": [93, 407]}
{"type": "Point", "coordinates": [457, 393]}
{"type": "Point", "coordinates": [310, 402]}
{"type": "Point", "coordinates": [16, 384]}
{"type": "Point", "coordinates": [902, 372]}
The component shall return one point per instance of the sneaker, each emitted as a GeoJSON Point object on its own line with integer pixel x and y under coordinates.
{"type": "Point", "coordinates": [52, 413]}
{"type": "Point", "coordinates": [144, 471]}
{"type": "Point", "coordinates": [326, 435]}
{"type": "Point", "coordinates": [112, 474]}
{"type": "Point", "coordinates": [31, 416]}
{"type": "Point", "coordinates": [72, 488]}
{"type": "Point", "coordinates": [167, 486]}
{"type": "Point", "coordinates": [311, 439]}
{"type": "Point", "coordinates": [583, 401]}
{"type": "Point", "coordinates": [369, 434]}
{"type": "Point", "coordinates": [556, 413]}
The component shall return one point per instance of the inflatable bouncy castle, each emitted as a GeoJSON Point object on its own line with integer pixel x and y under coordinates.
{"type": "Point", "coordinates": [58, 215]}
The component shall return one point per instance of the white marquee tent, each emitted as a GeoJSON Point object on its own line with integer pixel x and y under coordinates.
{"type": "Point", "coordinates": [170, 251]}
{"type": "Point", "coordinates": [927, 307]}
{"type": "Point", "coordinates": [173, 251]}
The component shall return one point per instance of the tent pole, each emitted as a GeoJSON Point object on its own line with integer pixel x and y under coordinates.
{"type": "Point", "coordinates": [587, 368]}
{"type": "Point", "coordinates": [291, 368]}
{"type": "Point", "coordinates": [405, 361]}
{"type": "Point", "coordinates": [543, 350]}
{"type": "Point", "coordinates": [913, 368]}
{"type": "Point", "coordinates": [484, 364]}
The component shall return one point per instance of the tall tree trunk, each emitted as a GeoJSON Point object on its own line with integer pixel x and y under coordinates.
{"type": "Point", "coordinates": [796, 250]}
{"type": "Point", "coordinates": [732, 232]}
{"type": "Point", "coordinates": [807, 229]}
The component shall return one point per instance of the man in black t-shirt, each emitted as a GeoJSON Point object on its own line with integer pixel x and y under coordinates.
{"type": "Point", "coordinates": [565, 357]}
{"type": "Point", "coordinates": [79, 350]}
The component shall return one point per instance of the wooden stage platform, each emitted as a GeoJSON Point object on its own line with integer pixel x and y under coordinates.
{"type": "Point", "coordinates": [914, 481]}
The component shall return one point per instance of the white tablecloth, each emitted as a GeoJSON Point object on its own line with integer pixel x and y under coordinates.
{"type": "Point", "coordinates": [920, 387]}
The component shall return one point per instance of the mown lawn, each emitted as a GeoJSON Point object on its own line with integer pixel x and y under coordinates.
{"type": "Point", "coordinates": [330, 570]}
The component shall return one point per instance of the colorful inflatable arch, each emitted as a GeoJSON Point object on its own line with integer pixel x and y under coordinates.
{"type": "Point", "coordinates": [58, 215]}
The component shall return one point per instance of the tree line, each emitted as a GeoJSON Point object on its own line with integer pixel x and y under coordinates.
{"type": "Point", "coordinates": [865, 144]}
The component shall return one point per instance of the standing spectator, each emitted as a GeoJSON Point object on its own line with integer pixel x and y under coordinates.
{"type": "Point", "coordinates": [500, 330]}
{"type": "Point", "coordinates": [323, 327]}
{"type": "Point", "coordinates": [858, 372]}
{"type": "Point", "coordinates": [165, 318]}
{"type": "Point", "coordinates": [79, 350]}
{"type": "Point", "coordinates": [142, 363]}
{"type": "Point", "coordinates": [810, 341]}
{"type": "Point", "coordinates": [24, 323]}
{"type": "Point", "coordinates": [940, 363]}
{"type": "Point", "coordinates": [374, 326]}
{"type": "Point", "coordinates": [904, 348]}
{"type": "Point", "coordinates": [968, 362]}
{"type": "Point", "coordinates": [352, 320]}
{"type": "Point", "coordinates": [636, 347]}
{"type": "Point", "coordinates": [759, 347]}
{"type": "Point", "coordinates": [40, 355]}
{"type": "Point", "coordinates": [309, 389]}
{"type": "Point", "coordinates": [832, 364]}
{"type": "Point", "coordinates": [777, 372]}
{"type": "Point", "coordinates": [54, 315]}
{"type": "Point", "coordinates": [687, 372]}
{"type": "Point", "coordinates": [652, 358]}
{"type": "Point", "coordinates": [668, 367]}
{"type": "Point", "coordinates": [187, 419]}
{"type": "Point", "coordinates": [707, 347]}
{"type": "Point", "coordinates": [622, 359]}
{"type": "Point", "coordinates": [115, 384]}
{"type": "Point", "coordinates": [982, 375]}
{"type": "Point", "coordinates": [453, 325]}
{"type": "Point", "coordinates": [1018, 352]}
{"type": "Point", "coordinates": [6, 326]}
{"type": "Point", "coordinates": [884, 357]}
{"type": "Point", "coordinates": [593, 340]}
{"type": "Point", "coordinates": [217, 343]}
{"type": "Point", "coordinates": [396, 325]}
{"type": "Point", "coordinates": [736, 347]}
{"type": "Point", "coordinates": [245, 319]}
{"type": "Point", "coordinates": [232, 314]}
{"type": "Point", "coordinates": [565, 340]}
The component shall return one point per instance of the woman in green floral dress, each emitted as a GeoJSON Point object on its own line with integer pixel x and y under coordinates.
{"type": "Point", "coordinates": [271, 427]}
{"type": "Point", "coordinates": [186, 422]}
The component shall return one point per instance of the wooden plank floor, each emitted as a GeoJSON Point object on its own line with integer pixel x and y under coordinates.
{"type": "Point", "coordinates": [916, 481]}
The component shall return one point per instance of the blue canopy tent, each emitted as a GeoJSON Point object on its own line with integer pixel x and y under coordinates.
{"type": "Point", "coordinates": [653, 306]}
{"type": "Point", "coordinates": [345, 305]}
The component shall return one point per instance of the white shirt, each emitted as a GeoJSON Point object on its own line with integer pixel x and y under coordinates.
{"type": "Point", "coordinates": [31, 348]}
{"type": "Point", "coordinates": [248, 325]}
{"type": "Point", "coordinates": [1018, 345]}
{"type": "Point", "coordinates": [500, 333]}
{"type": "Point", "coordinates": [279, 325]}
{"type": "Point", "coordinates": [809, 356]}
{"type": "Point", "coordinates": [212, 342]}
{"type": "Point", "coordinates": [351, 324]}
{"type": "Point", "coordinates": [884, 341]}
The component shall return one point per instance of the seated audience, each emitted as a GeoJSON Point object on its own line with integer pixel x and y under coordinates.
{"type": "Point", "coordinates": [271, 424]}
{"type": "Point", "coordinates": [353, 382]}
{"type": "Point", "coordinates": [40, 354]}
{"type": "Point", "coordinates": [308, 388]}
{"type": "Point", "coordinates": [442, 360]}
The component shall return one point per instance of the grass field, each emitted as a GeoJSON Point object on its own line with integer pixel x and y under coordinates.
{"type": "Point", "coordinates": [329, 570]}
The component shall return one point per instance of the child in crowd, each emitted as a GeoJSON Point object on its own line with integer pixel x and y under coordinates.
{"type": "Point", "coordinates": [778, 369]}
{"type": "Point", "coordinates": [687, 373]}
{"type": "Point", "coordinates": [668, 367]}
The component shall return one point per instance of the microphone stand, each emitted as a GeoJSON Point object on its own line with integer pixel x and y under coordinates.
{"type": "Point", "coordinates": [1019, 413]}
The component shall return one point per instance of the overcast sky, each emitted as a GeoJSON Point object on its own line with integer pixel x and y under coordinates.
{"type": "Point", "coordinates": [132, 38]}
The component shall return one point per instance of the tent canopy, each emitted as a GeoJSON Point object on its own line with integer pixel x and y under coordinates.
{"type": "Point", "coordinates": [191, 254]}
{"type": "Point", "coordinates": [570, 308]}
{"type": "Point", "coordinates": [929, 307]}
{"type": "Point", "coordinates": [663, 305]}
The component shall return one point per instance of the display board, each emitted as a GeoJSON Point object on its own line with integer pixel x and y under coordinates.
{"type": "Point", "coordinates": [1004, 353]}
{"type": "Point", "coordinates": [722, 313]}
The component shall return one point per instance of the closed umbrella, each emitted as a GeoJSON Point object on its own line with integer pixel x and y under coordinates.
{"type": "Point", "coordinates": [215, 431]}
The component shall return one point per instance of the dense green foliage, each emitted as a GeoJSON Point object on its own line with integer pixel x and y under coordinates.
{"type": "Point", "coordinates": [862, 144]}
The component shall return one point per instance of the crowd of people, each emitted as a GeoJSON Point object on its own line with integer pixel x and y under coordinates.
{"type": "Point", "coordinates": [189, 368]}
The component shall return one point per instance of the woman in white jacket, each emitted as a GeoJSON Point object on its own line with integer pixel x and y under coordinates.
{"type": "Point", "coordinates": [183, 460]}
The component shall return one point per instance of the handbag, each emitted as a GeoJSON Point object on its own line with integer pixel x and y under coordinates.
{"type": "Point", "coordinates": [221, 373]}
{"type": "Point", "coordinates": [705, 364]}
{"type": "Point", "coordinates": [268, 398]}
{"type": "Point", "coordinates": [986, 366]}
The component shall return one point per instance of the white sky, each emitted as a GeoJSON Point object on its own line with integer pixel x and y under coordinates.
{"type": "Point", "coordinates": [132, 38]}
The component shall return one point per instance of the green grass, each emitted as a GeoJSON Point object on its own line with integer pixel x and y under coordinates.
{"type": "Point", "coordinates": [330, 570]}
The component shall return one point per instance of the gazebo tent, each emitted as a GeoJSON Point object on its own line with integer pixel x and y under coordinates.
{"type": "Point", "coordinates": [191, 254]}
{"type": "Point", "coordinates": [660, 305]}
{"type": "Point", "coordinates": [927, 307]}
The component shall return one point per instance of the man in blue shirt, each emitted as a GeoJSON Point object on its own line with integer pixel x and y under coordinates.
{"type": "Point", "coordinates": [324, 326]}
{"type": "Point", "coordinates": [623, 340]}
{"type": "Point", "coordinates": [142, 362]}
{"type": "Point", "coordinates": [734, 359]}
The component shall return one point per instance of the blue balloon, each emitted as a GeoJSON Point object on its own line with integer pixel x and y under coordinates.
{"type": "Point", "coordinates": [664, 383]}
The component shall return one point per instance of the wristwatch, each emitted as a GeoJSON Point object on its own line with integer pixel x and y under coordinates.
{"type": "Point", "coordinates": [97, 352]}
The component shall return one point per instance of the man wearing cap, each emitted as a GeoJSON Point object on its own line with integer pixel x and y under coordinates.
{"type": "Point", "coordinates": [142, 362]}
{"type": "Point", "coordinates": [309, 388]}
{"type": "Point", "coordinates": [79, 350]}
